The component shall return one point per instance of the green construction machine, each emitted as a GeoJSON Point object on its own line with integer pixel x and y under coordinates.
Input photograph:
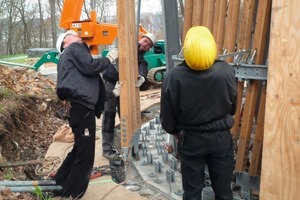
{"type": "Point", "coordinates": [156, 63]}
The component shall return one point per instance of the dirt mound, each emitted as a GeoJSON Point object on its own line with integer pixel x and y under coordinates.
{"type": "Point", "coordinates": [27, 121]}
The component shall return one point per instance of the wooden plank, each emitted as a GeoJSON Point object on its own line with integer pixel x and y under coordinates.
{"type": "Point", "coordinates": [197, 12]}
{"type": "Point", "coordinates": [246, 24]}
{"type": "Point", "coordinates": [231, 26]}
{"type": "Point", "coordinates": [260, 34]}
{"type": "Point", "coordinates": [208, 14]}
{"type": "Point", "coordinates": [280, 176]}
{"type": "Point", "coordinates": [255, 160]}
{"type": "Point", "coordinates": [219, 24]}
{"type": "Point", "coordinates": [235, 130]}
{"type": "Point", "coordinates": [246, 127]}
{"type": "Point", "coordinates": [127, 70]}
{"type": "Point", "coordinates": [245, 30]}
{"type": "Point", "coordinates": [188, 16]}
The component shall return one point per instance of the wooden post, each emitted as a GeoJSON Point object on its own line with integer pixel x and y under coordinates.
{"type": "Point", "coordinates": [280, 176]}
{"type": "Point", "coordinates": [128, 70]}
{"type": "Point", "coordinates": [259, 44]}
{"type": "Point", "coordinates": [188, 15]}
{"type": "Point", "coordinates": [197, 12]}
{"type": "Point", "coordinates": [219, 24]}
{"type": "Point", "coordinates": [208, 15]}
{"type": "Point", "coordinates": [231, 26]}
{"type": "Point", "coordinates": [244, 41]}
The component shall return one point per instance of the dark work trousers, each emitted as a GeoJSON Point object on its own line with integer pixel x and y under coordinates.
{"type": "Point", "coordinates": [108, 121]}
{"type": "Point", "coordinates": [75, 171]}
{"type": "Point", "coordinates": [198, 149]}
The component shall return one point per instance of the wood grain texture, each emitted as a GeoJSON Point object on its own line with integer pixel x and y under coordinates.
{"type": "Point", "coordinates": [251, 100]}
{"type": "Point", "coordinates": [280, 177]}
{"type": "Point", "coordinates": [197, 18]}
{"type": "Point", "coordinates": [127, 44]}
{"type": "Point", "coordinates": [219, 24]}
{"type": "Point", "coordinates": [231, 26]}
{"type": "Point", "coordinates": [188, 17]}
{"type": "Point", "coordinates": [208, 15]}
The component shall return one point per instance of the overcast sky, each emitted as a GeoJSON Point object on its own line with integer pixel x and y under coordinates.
{"type": "Point", "coordinates": [151, 6]}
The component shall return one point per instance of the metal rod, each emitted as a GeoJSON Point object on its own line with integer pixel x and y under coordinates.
{"type": "Point", "coordinates": [16, 64]}
{"type": "Point", "coordinates": [31, 188]}
{"type": "Point", "coordinates": [27, 183]}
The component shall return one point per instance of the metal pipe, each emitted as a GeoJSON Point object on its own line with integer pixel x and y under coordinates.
{"type": "Point", "coordinates": [138, 17]}
{"type": "Point", "coordinates": [31, 188]}
{"type": "Point", "coordinates": [16, 64]}
{"type": "Point", "coordinates": [27, 183]}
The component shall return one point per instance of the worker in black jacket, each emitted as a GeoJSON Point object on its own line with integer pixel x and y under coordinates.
{"type": "Point", "coordinates": [79, 84]}
{"type": "Point", "coordinates": [198, 99]}
{"type": "Point", "coordinates": [110, 77]}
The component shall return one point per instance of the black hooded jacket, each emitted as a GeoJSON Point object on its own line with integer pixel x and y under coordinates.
{"type": "Point", "coordinates": [198, 100]}
{"type": "Point", "coordinates": [78, 78]}
{"type": "Point", "coordinates": [112, 74]}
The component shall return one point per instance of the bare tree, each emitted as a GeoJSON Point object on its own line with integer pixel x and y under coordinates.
{"type": "Point", "coordinates": [28, 24]}
{"type": "Point", "coordinates": [24, 18]}
{"type": "Point", "coordinates": [53, 22]}
{"type": "Point", "coordinates": [10, 7]}
{"type": "Point", "coordinates": [41, 22]}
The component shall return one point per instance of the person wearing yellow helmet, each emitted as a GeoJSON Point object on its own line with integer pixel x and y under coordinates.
{"type": "Point", "coordinates": [198, 99]}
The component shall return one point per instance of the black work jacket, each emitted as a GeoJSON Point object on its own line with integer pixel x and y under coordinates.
{"type": "Point", "coordinates": [78, 78]}
{"type": "Point", "coordinates": [112, 74]}
{"type": "Point", "coordinates": [198, 100]}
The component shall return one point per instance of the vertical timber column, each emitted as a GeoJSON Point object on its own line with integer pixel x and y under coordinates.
{"type": "Point", "coordinates": [259, 44]}
{"type": "Point", "coordinates": [197, 17]}
{"type": "Point", "coordinates": [208, 15]}
{"type": "Point", "coordinates": [244, 41]}
{"type": "Point", "coordinates": [231, 26]}
{"type": "Point", "coordinates": [130, 118]}
{"type": "Point", "coordinates": [280, 176]}
{"type": "Point", "coordinates": [188, 17]}
{"type": "Point", "coordinates": [219, 24]}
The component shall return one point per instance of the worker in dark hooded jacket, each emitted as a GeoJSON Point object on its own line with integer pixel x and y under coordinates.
{"type": "Point", "coordinates": [80, 86]}
{"type": "Point", "coordinates": [198, 99]}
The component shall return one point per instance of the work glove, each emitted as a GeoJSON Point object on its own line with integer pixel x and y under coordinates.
{"type": "Point", "coordinates": [139, 81]}
{"type": "Point", "coordinates": [113, 55]}
{"type": "Point", "coordinates": [117, 90]}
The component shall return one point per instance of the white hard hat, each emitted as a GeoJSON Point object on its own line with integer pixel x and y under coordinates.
{"type": "Point", "coordinates": [59, 42]}
{"type": "Point", "coordinates": [61, 38]}
{"type": "Point", "coordinates": [151, 37]}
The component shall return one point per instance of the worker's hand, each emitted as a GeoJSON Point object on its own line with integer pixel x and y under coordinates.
{"type": "Point", "coordinates": [139, 81]}
{"type": "Point", "coordinates": [113, 55]}
{"type": "Point", "coordinates": [117, 90]}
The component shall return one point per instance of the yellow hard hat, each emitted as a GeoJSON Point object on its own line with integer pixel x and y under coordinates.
{"type": "Point", "coordinates": [200, 49]}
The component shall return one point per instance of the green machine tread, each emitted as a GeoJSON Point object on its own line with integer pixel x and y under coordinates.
{"type": "Point", "coordinates": [151, 76]}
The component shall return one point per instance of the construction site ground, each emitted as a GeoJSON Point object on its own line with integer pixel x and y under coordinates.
{"type": "Point", "coordinates": [28, 104]}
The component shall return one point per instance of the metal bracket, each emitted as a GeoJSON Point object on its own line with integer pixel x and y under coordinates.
{"type": "Point", "coordinates": [248, 71]}
{"type": "Point", "coordinates": [242, 64]}
{"type": "Point", "coordinates": [247, 183]}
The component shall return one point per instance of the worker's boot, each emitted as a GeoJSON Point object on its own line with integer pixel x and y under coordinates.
{"type": "Point", "coordinates": [111, 154]}
{"type": "Point", "coordinates": [108, 126]}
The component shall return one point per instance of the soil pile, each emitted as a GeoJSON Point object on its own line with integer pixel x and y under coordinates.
{"type": "Point", "coordinates": [27, 123]}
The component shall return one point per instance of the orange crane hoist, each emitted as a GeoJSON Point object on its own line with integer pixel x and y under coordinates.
{"type": "Point", "coordinates": [92, 32]}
